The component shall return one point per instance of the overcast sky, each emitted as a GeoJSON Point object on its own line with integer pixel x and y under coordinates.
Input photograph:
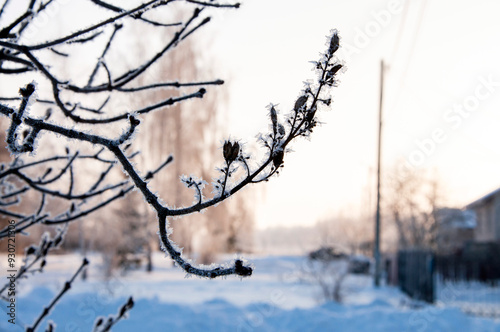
{"type": "Point", "coordinates": [442, 94]}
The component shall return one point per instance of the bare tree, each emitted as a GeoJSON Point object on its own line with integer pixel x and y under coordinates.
{"type": "Point", "coordinates": [351, 234]}
{"type": "Point", "coordinates": [83, 109]}
{"type": "Point", "coordinates": [413, 200]}
{"type": "Point", "coordinates": [328, 274]}
{"type": "Point", "coordinates": [193, 137]}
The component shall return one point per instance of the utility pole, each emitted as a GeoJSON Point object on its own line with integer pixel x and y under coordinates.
{"type": "Point", "coordinates": [376, 249]}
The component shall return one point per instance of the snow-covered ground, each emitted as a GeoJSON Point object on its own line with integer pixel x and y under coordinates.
{"type": "Point", "coordinates": [273, 299]}
{"type": "Point", "coordinates": [471, 297]}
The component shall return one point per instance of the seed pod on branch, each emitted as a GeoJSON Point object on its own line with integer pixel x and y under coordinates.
{"type": "Point", "coordinates": [230, 151]}
{"type": "Point", "coordinates": [278, 158]}
{"type": "Point", "coordinates": [330, 75]}
{"type": "Point", "coordinates": [47, 172]}
{"type": "Point", "coordinates": [27, 91]}
{"type": "Point", "coordinates": [242, 270]}
{"type": "Point", "coordinates": [134, 122]}
{"type": "Point", "coordinates": [281, 130]}
{"type": "Point", "coordinates": [228, 146]}
{"type": "Point", "coordinates": [274, 120]}
{"type": "Point", "coordinates": [30, 251]}
{"type": "Point", "coordinates": [48, 113]}
{"type": "Point", "coordinates": [300, 103]}
{"type": "Point", "coordinates": [310, 115]}
{"type": "Point", "coordinates": [99, 322]}
{"type": "Point", "coordinates": [335, 69]}
{"type": "Point", "coordinates": [334, 43]}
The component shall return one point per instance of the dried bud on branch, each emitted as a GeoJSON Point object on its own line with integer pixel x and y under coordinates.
{"type": "Point", "coordinates": [310, 115]}
{"type": "Point", "coordinates": [126, 307]}
{"type": "Point", "coordinates": [334, 44]}
{"type": "Point", "coordinates": [274, 120]}
{"type": "Point", "coordinates": [278, 158]}
{"type": "Point", "coordinates": [330, 75]}
{"type": "Point", "coordinates": [281, 130]}
{"type": "Point", "coordinates": [231, 151]}
{"type": "Point", "coordinates": [134, 122]}
{"type": "Point", "coordinates": [30, 251]}
{"type": "Point", "coordinates": [300, 103]}
{"type": "Point", "coordinates": [242, 270]}
{"type": "Point", "coordinates": [27, 91]}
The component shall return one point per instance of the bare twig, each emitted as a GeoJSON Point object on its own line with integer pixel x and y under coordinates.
{"type": "Point", "coordinates": [67, 286]}
{"type": "Point", "coordinates": [102, 325]}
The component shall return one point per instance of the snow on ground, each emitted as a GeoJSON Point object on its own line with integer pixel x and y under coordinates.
{"type": "Point", "coordinates": [471, 297]}
{"type": "Point", "coordinates": [273, 299]}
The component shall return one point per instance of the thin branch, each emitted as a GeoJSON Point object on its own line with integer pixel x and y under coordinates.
{"type": "Point", "coordinates": [213, 4]}
{"type": "Point", "coordinates": [84, 39]}
{"type": "Point", "coordinates": [169, 84]}
{"type": "Point", "coordinates": [237, 269]}
{"type": "Point", "coordinates": [15, 193]}
{"type": "Point", "coordinates": [171, 101]}
{"type": "Point", "coordinates": [61, 220]}
{"type": "Point", "coordinates": [106, 48]}
{"type": "Point", "coordinates": [66, 287]}
{"type": "Point", "coordinates": [150, 174]}
{"type": "Point", "coordinates": [3, 7]}
{"type": "Point", "coordinates": [40, 253]}
{"type": "Point", "coordinates": [101, 326]}
{"type": "Point", "coordinates": [5, 32]}
{"type": "Point", "coordinates": [92, 28]}
{"type": "Point", "coordinates": [11, 214]}
{"type": "Point", "coordinates": [119, 10]}
{"type": "Point", "coordinates": [69, 195]}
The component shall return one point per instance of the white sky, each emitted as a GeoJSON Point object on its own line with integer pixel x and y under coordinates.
{"type": "Point", "coordinates": [438, 54]}
{"type": "Point", "coordinates": [443, 53]}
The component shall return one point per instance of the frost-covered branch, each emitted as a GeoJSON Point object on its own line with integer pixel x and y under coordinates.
{"type": "Point", "coordinates": [84, 111]}
{"type": "Point", "coordinates": [67, 287]}
{"type": "Point", "coordinates": [33, 255]}
{"type": "Point", "coordinates": [102, 325]}
{"type": "Point", "coordinates": [298, 123]}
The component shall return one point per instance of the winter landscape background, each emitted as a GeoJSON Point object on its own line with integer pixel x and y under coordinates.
{"type": "Point", "coordinates": [274, 299]}
{"type": "Point", "coordinates": [308, 233]}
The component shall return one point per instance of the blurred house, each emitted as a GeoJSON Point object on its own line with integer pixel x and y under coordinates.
{"type": "Point", "coordinates": [467, 246]}
{"type": "Point", "coordinates": [479, 222]}
{"type": "Point", "coordinates": [487, 211]}
{"type": "Point", "coordinates": [455, 228]}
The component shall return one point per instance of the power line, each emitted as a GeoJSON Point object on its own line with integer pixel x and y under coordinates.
{"type": "Point", "coordinates": [400, 32]}
{"type": "Point", "coordinates": [413, 42]}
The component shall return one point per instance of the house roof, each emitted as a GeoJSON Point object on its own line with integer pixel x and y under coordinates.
{"type": "Point", "coordinates": [483, 199]}
{"type": "Point", "coordinates": [456, 218]}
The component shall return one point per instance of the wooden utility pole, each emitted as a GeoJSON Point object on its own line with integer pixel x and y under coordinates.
{"type": "Point", "coordinates": [376, 249]}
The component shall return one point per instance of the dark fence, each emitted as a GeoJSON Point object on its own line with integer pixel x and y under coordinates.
{"type": "Point", "coordinates": [476, 262]}
{"type": "Point", "coordinates": [416, 274]}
